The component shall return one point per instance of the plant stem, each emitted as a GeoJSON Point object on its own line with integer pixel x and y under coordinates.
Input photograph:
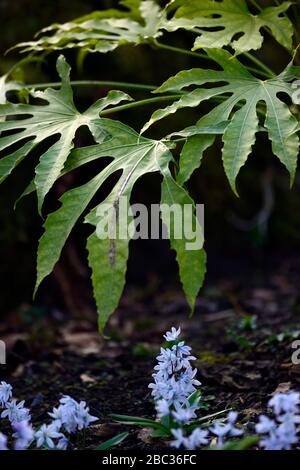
{"type": "Point", "coordinates": [256, 5]}
{"type": "Point", "coordinates": [297, 21]}
{"type": "Point", "coordinates": [134, 86]}
{"type": "Point", "coordinates": [180, 50]}
{"type": "Point", "coordinates": [135, 104]}
{"type": "Point", "coordinates": [268, 72]}
{"type": "Point", "coordinates": [263, 69]}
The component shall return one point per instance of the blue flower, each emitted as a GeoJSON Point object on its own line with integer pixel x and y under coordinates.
{"type": "Point", "coordinates": [16, 412]}
{"type": "Point", "coordinates": [173, 334]}
{"type": "Point", "coordinates": [3, 442]}
{"type": "Point", "coordinates": [45, 435]}
{"type": "Point", "coordinates": [23, 435]}
{"type": "Point", "coordinates": [280, 433]}
{"type": "Point", "coordinates": [5, 393]}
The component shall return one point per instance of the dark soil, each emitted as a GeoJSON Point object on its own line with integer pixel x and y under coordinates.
{"type": "Point", "coordinates": [241, 334]}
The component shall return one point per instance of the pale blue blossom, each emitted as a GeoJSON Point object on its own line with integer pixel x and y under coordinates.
{"type": "Point", "coordinates": [282, 438]}
{"type": "Point", "coordinates": [197, 439]}
{"type": "Point", "coordinates": [280, 433]}
{"type": "Point", "coordinates": [228, 429]}
{"type": "Point", "coordinates": [285, 402]}
{"type": "Point", "coordinates": [23, 435]}
{"type": "Point", "coordinates": [173, 334]}
{"type": "Point", "coordinates": [265, 425]}
{"type": "Point", "coordinates": [180, 439]}
{"type": "Point", "coordinates": [162, 408]}
{"type": "Point", "coordinates": [5, 393]}
{"type": "Point", "coordinates": [16, 412]}
{"type": "Point", "coordinates": [45, 435]}
{"type": "Point", "coordinates": [3, 442]}
{"type": "Point", "coordinates": [62, 443]}
{"type": "Point", "coordinates": [184, 415]}
{"type": "Point", "coordinates": [58, 416]}
{"type": "Point", "coordinates": [71, 415]}
{"type": "Point", "coordinates": [174, 377]}
{"type": "Point", "coordinates": [83, 417]}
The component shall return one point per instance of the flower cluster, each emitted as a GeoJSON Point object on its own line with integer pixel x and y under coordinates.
{"type": "Point", "coordinates": [228, 429]}
{"type": "Point", "coordinates": [70, 417]}
{"type": "Point", "coordinates": [174, 390]}
{"type": "Point", "coordinates": [280, 433]}
{"type": "Point", "coordinates": [200, 437]}
{"type": "Point", "coordinates": [197, 438]}
{"type": "Point", "coordinates": [19, 417]}
{"type": "Point", "coordinates": [174, 380]}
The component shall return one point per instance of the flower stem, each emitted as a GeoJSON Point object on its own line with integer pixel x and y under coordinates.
{"type": "Point", "coordinates": [135, 104]}
{"type": "Point", "coordinates": [262, 70]}
{"type": "Point", "coordinates": [256, 5]}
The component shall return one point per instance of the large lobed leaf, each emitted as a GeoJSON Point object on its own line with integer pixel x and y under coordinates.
{"type": "Point", "coordinates": [242, 92]}
{"type": "Point", "coordinates": [135, 156]}
{"type": "Point", "coordinates": [26, 125]}
{"type": "Point", "coordinates": [102, 31]}
{"type": "Point", "coordinates": [34, 123]}
{"type": "Point", "coordinates": [216, 24]}
{"type": "Point", "coordinates": [7, 86]}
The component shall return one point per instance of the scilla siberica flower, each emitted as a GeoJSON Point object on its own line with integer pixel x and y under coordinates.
{"type": "Point", "coordinates": [71, 415]}
{"type": "Point", "coordinates": [5, 393]}
{"type": "Point", "coordinates": [23, 435]}
{"type": "Point", "coordinates": [3, 442]}
{"type": "Point", "coordinates": [174, 380]}
{"type": "Point", "coordinates": [45, 435]}
{"type": "Point", "coordinates": [280, 433]}
{"type": "Point", "coordinates": [196, 439]}
{"type": "Point", "coordinates": [16, 412]}
{"type": "Point", "coordinates": [228, 429]}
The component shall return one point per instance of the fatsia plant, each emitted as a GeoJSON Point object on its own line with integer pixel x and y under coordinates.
{"type": "Point", "coordinates": [247, 97]}
{"type": "Point", "coordinates": [57, 116]}
{"type": "Point", "coordinates": [215, 23]}
{"type": "Point", "coordinates": [218, 23]}
{"type": "Point", "coordinates": [245, 93]}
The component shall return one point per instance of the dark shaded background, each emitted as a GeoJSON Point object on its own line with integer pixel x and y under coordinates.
{"type": "Point", "coordinates": [236, 244]}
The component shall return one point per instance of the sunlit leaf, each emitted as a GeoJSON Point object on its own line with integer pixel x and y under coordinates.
{"type": "Point", "coordinates": [218, 24]}
{"type": "Point", "coordinates": [243, 91]}
{"type": "Point", "coordinates": [34, 123]}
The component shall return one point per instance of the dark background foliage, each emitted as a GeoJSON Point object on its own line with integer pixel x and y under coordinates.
{"type": "Point", "coordinates": [252, 231]}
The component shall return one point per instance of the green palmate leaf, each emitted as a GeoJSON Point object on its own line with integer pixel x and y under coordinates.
{"type": "Point", "coordinates": [191, 155]}
{"type": "Point", "coordinates": [200, 138]}
{"type": "Point", "coordinates": [106, 30]}
{"type": "Point", "coordinates": [108, 277]}
{"type": "Point", "coordinates": [219, 22]}
{"type": "Point", "coordinates": [190, 255]}
{"type": "Point", "coordinates": [6, 86]}
{"type": "Point", "coordinates": [103, 31]}
{"type": "Point", "coordinates": [114, 441]}
{"type": "Point", "coordinates": [243, 91]}
{"type": "Point", "coordinates": [135, 156]}
{"type": "Point", "coordinates": [216, 24]}
{"type": "Point", "coordinates": [59, 117]}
